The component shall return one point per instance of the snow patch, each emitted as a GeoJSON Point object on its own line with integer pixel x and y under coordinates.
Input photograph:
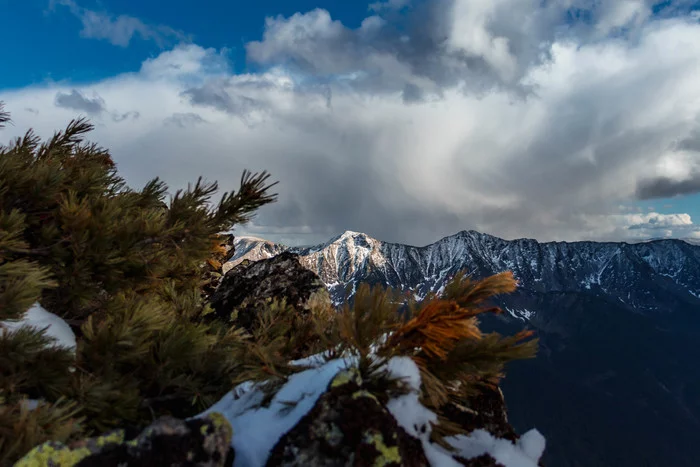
{"type": "Point", "coordinates": [38, 318]}
{"type": "Point", "coordinates": [257, 429]}
{"type": "Point", "coordinates": [525, 453]}
{"type": "Point", "coordinates": [417, 420]}
{"type": "Point", "coordinates": [523, 314]}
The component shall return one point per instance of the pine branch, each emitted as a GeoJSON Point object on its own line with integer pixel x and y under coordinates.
{"type": "Point", "coordinates": [4, 116]}
{"type": "Point", "coordinates": [67, 140]}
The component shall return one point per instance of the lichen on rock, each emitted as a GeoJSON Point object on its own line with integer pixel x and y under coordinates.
{"type": "Point", "coordinates": [201, 442]}
{"type": "Point", "coordinates": [348, 426]}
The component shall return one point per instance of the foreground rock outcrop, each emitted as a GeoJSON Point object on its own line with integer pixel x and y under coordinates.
{"type": "Point", "coordinates": [200, 442]}
{"type": "Point", "coordinates": [348, 426]}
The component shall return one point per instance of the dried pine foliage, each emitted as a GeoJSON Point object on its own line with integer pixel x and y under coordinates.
{"type": "Point", "coordinates": [441, 335]}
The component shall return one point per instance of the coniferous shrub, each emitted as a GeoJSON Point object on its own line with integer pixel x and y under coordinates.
{"type": "Point", "coordinates": [124, 269]}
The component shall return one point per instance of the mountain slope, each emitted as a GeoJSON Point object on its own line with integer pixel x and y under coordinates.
{"type": "Point", "coordinates": [643, 275]}
{"type": "Point", "coordinates": [618, 324]}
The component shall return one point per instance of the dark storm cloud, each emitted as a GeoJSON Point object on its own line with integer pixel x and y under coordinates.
{"type": "Point", "coordinates": [75, 100]}
{"type": "Point", "coordinates": [667, 187]}
{"type": "Point", "coordinates": [412, 94]}
{"type": "Point", "coordinates": [131, 115]}
{"type": "Point", "coordinates": [184, 120]}
{"type": "Point", "coordinates": [221, 96]}
{"type": "Point", "coordinates": [664, 187]}
{"type": "Point", "coordinates": [348, 194]}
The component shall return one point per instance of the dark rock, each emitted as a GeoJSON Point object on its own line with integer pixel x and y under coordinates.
{"type": "Point", "coordinates": [486, 411]}
{"type": "Point", "coordinates": [250, 286]}
{"type": "Point", "coordinates": [201, 442]}
{"type": "Point", "coordinates": [484, 460]}
{"type": "Point", "coordinates": [348, 426]}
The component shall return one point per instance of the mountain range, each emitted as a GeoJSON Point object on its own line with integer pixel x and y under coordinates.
{"type": "Point", "coordinates": [617, 378]}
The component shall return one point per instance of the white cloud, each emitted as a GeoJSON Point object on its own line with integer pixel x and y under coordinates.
{"type": "Point", "coordinates": [469, 33]}
{"type": "Point", "coordinates": [120, 29]}
{"type": "Point", "coordinates": [641, 226]}
{"type": "Point", "coordinates": [600, 117]}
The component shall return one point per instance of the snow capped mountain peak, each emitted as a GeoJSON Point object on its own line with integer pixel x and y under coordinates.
{"type": "Point", "coordinates": [629, 273]}
{"type": "Point", "coordinates": [351, 236]}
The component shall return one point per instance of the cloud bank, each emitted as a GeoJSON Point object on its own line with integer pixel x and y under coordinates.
{"type": "Point", "coordinates": [503, 116]}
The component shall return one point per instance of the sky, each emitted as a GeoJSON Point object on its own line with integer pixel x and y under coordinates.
{"type": "Point", "coordinates": [408, 120]}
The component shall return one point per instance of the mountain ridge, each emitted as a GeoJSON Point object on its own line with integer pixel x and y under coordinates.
{"type": "Point", "coordinates": [614, 267]}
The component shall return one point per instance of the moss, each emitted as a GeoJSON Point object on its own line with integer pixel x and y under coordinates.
{"type": "Point", "coordinates": [387, 455]}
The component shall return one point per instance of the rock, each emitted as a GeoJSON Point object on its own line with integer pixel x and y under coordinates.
{"type": "Point", "coordinates": [484, 460]}
{"type": "Point", "coordinates": [348, 426]}
{"type": "Point", "coordinates": [201, 442]}
{"type": "Point", "coordinates": [250, 286]}
{"type": "Point", "coordinates": [486, 411]}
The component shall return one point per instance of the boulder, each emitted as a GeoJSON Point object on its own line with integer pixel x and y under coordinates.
{"type": "Point", "coordinates": [250, 286]}
{"type": "Point", "coordinates": [486, 411]}
{"type": "Point", "coordinates": [348, 426]}
{"type": "Point", "coordinates": [200, 442]}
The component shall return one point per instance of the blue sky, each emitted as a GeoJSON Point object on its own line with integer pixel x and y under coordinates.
{"type": "Point", "coordinates": [406, 119]}
{"type": "Point", "coordinates": [55, 49]}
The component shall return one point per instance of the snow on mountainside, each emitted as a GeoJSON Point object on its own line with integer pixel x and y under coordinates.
{"type": "Point", "coordinates": [253, 248]}
{"type": "Point", "coordinates": [640, 275]}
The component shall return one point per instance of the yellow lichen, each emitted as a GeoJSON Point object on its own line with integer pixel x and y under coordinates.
{"type": "Point", "coordinates": [132, 442]}
{"type": "Point", "coordinates": [110, 438]}
{"type": "Point", "coordinates": [63, 456]}
{"type": "Point", "coordinates": [364, 393]}
{"type": "Point", "coordinates": [220, 422]}
{"type": "Point", "coordinates": [345, 377]}
{"type": "Point", "coordinates": [388, 455]}
{"type": "Point", "coordinates": [53, 454]}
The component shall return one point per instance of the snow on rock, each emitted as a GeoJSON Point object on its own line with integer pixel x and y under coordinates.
{"type": "Point", "coordinates": [525, 453]}
{"type": "Point", "coordinates": [39, 318]}
{"type": "Point", "coordinates": [257, 429]}
{"type": "Point", "coordinates": [416, 420]}
{"type": "Point", "coordinates": [532, 444]}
